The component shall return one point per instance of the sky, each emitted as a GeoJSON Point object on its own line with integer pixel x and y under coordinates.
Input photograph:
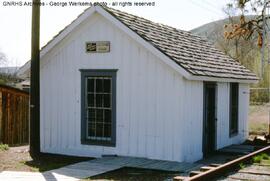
{"type": "Point", "coordinates": [15, 20]}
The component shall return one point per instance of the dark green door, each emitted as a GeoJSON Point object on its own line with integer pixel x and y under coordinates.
{"type": "Point", "coordinates": [209, 126]}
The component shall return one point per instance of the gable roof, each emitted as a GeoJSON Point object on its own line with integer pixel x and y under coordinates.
{"type": "Point", "coordinates": [196, 58]}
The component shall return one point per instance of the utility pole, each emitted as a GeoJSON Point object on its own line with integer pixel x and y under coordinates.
{"type": "Point", "coordinates": [34, 81]}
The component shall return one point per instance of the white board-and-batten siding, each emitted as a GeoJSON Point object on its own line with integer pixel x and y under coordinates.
{"type": "Point", "coordinates": [159, 114]}
{"type": "Point", "coordinates": [223, 137]}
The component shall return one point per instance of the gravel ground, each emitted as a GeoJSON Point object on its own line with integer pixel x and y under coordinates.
{"type": "Point", "coordinates": [254, 172]}
{"type": "Point", "coordinates": [14, 158]}
{"type": "Point", "coordinates": [258, 119]}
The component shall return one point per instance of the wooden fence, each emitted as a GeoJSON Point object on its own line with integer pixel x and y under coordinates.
{"type": "Point", "coordinates": [14, 116]}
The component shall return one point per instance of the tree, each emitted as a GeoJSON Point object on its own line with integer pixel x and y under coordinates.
{"type": "Point", "coordinates": [6, 77]}
{"type": "Point", "coordinates": [249, 27]}
{"type": "Point", "coordinates": [246, 28]}
{"type": "Point", "coordinates": [3, 59]}
{"type": "Point", "coordinates": [245, 52]}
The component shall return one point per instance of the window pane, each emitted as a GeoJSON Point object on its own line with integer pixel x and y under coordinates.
{"type": "Point", "coordinates": [91, 130]}
{"type": "Point", "coordinates": [234, 107]}
{"type": "Point", "coordinates": [99, 116]}
{"type": "Point", "coordinates": [107, 85]}
{"type": "Point", "coordinates": [107, 130]}
{"type": "Point", "coordinates": [91, 115]}
{"type": "Point", "coordinates": [91, 100]}
{"type": "Point", "coordinates": [99, 85]}
{"type": "Point", "coordinates": [107, 100]}
{"type": "Point", "coordinates": [107, 118]}
{"type": "Point", "coordinates": [99, 130]}
{"type": "Point", "coordinates": [99, 100]}
{"type": "Point", "coordinates": [90, 85]}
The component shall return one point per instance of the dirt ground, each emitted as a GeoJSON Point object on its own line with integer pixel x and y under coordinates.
{"type": "Point", "coordinates": [14, 159]}
{"type": "Point", "coordinates": [18, 159]}
{"type": "Point", "coordinates": [258, 118]}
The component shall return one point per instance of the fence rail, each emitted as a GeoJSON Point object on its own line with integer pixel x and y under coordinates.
{"type": "Point", "coordinates": [259, 95]}
{"type": "Point", "coordinates": [14, 116]}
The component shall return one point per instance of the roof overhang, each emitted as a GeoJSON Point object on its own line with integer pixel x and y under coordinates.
{"type": "Point", "coordinates": [24, 70]}
{"type": "Point", "coordinates": [217, 79]}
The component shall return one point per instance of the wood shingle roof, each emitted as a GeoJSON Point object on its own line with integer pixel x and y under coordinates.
{"type": "Point", "coordinates": [191, 52]}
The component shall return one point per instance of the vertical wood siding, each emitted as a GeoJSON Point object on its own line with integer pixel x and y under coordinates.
{"type": "Point", "coordinates": [159, 113]}
{"type": "Point", "coordinates": [193, 120]}
{"type": "Point", "coordinates": [223, 137]}
{"type": "Point", "coordinates": [14, 116]}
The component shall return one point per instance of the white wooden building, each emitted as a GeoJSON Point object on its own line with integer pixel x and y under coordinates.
{"type": "Point", "coordinates": [117, 84]}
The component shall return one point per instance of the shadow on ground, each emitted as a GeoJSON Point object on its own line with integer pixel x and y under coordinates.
{"type": "Point", "coordinates": [135, 174]}
{"type": "Point", "coordinates": [51, 161]}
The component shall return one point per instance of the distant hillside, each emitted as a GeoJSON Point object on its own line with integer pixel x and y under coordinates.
{"type": "Point", "coordinates": [9, 70]}
{"type": "Point", "coordinates": [207, 30]}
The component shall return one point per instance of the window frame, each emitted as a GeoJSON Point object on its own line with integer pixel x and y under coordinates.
{"type": "Point", "coordinates": [92, 73]}
{"type": "Point", "coordinates": [234, 131]}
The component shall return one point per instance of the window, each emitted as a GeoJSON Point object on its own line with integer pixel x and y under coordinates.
{"type": "Point", "coordinates": [98, 107]}
{"type": "Point", "coordinates": [234, 91]}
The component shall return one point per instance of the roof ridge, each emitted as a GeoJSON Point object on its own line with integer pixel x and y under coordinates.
{"type": "Point", "coordinates": [153, 22]}
{"type": "Point", "coordinates": [156, 23]}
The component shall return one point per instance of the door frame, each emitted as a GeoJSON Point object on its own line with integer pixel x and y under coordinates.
{"type": "Point", "coordinates": [205, 85]}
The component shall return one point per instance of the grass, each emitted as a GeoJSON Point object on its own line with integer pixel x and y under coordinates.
{"type": "Point", "coordinates": [258, 128]}
{"type": "Point", "coordinates": [261, 158]}
{"type": "Point", "coordinates": [242, 165]}
{"type": "Point", "coordinates": [4, 147]}
{"type": "Point", "coordinates": [258, 159]}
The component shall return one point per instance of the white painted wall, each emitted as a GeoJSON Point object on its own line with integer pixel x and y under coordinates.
{"type": "Point", "coordinates": [192, 102]}
{"type": "Point", "coordinates": [223, 137]}
{"type": "Point", "coordinates": [159, 113]}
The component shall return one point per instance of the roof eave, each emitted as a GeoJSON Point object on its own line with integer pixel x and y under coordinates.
{"type": "Point", "coordinates": [23, 70]}
{"type": "Point", "coordinates": [220, 79]}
